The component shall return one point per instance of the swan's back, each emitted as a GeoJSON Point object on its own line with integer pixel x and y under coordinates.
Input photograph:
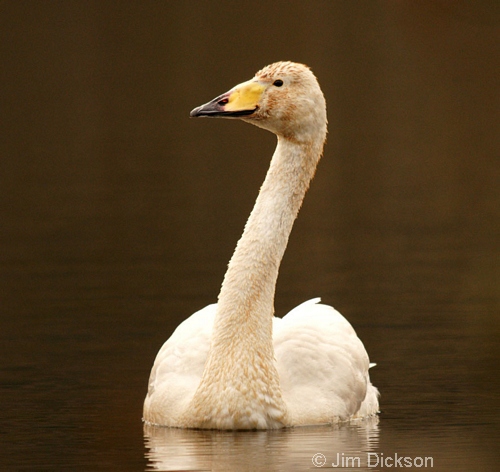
{"type": "Point", "coordinates": [323, 366]}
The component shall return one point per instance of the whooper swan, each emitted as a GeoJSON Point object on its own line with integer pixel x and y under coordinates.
{"type": "Point", "coordinates": [234, 365]}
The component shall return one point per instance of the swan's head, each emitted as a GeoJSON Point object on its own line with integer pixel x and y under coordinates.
{"type": "Point", "coordinates": [284, 98]}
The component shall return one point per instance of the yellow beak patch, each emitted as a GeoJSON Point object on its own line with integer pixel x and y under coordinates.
{"type": "Point", "coordinates": [245, 96]}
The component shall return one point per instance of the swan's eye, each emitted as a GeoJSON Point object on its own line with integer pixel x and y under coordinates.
{"type": "Point", "coordinates": [223, 101]}
{"type": "Point", "coordinates": [278, 83]}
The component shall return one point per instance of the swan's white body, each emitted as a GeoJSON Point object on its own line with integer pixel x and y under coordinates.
{"type": "Point", "coordinates": [234, 365]}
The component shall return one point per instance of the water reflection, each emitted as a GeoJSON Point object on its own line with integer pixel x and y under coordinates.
{"type": "Point", "coordinates": [289, 449]}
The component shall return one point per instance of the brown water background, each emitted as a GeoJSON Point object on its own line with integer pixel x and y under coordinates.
{"type": "Point", "coordinates": [118, 215]}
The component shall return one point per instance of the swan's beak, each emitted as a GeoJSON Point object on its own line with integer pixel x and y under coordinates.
{"type": "Point", "coordinates": [242, 100]}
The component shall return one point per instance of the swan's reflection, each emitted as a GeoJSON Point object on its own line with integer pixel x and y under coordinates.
{"type": "Point", "coordinates": [272, 450]}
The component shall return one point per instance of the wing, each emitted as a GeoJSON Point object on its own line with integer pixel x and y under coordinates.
{"type": "Point", "coordinates": [178, 367]}
{"type": "Point", "coordinates": [323, 365]}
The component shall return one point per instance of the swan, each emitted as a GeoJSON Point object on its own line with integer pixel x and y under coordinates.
{"type": "Point", "coordinates": [233, 365]}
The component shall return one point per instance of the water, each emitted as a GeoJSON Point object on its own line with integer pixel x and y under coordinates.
{"type": "Point", "coordinates": [119, 214]}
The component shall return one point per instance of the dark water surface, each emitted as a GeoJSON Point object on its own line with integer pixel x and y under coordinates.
{"type": "Point", "coordinates": [118, 215]}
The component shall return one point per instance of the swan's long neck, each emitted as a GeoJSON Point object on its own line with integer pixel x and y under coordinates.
{"type": "Point", "coordinates": [248, 289]}
{"type": "Point", "coordinates": [240, 375]}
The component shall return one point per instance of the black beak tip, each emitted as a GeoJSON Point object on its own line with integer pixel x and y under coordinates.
{"type": "Point", "coordinates": [194, 112]}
